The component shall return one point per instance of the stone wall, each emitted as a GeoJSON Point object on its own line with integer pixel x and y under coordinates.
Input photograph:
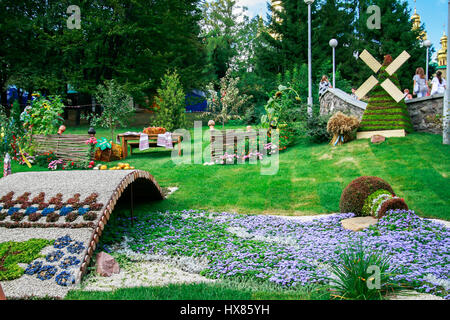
{"type": "Point", "coordinates": [426, 113]}
{"type": "Point", "coordinates": [334, 100]}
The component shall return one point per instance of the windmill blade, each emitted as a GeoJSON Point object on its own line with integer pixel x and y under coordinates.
{"type": "Point", "coordinates": [366, 87]}
{"type": "Point", "coordinates": [397, 63]}
{"type": "Point", "coordinates": [392, 89]}
{"type": "Point", "coordinates": [370, 61]}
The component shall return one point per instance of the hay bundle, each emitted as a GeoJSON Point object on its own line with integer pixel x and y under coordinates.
{"type": "Point", "coordinates": [341, 126]}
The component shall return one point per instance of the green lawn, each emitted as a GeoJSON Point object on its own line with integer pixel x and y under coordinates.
{"type": "Point", "coordinates": [222, 290]}
{"type": "Point", "coordinates": [310, 179]}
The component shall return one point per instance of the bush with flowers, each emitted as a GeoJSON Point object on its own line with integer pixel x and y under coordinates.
{"type": "Point", "coordinates": [45, 158]}
{"type": "Point", "coordinates": [45, 114]}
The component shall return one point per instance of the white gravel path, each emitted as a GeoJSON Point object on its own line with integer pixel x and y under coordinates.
{"type": "Point", "coordinates": [142, 273]}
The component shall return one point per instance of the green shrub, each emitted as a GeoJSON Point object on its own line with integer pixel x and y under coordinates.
{"type": "Point", "coordinates": [45, 114]}
{"type": "Point", "coordinates": [316, 128]}
{"type": "Point", "coordinates": [354, 274]}
{"type": "Point", "coordinates": [355, 194]}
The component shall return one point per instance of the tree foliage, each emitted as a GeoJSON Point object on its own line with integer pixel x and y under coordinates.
{"type": "Point", "coordinates": [117, 106]}
{"type": "Point", "coordinates": [228, 102]}
{"type": "Point", "coordinates": [131, 41]}
{"type": "Point", "coordinates": [171, 102]}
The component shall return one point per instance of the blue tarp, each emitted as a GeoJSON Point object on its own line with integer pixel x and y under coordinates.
{"type": "Point", "coordinates": [12, 94]}
{"type": "Point", "coordinates": [196, 101]}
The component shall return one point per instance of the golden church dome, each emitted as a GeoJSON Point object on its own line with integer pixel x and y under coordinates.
{"type": "Point", "coordinates": [442, 53]}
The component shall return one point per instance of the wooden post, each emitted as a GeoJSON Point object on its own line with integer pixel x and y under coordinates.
{"type": "Point", "coordinates": [2, 294]}
{"type": "Point", "coordinates": [124, 146]}
{"type": "Point", "coordinates": [132, 204]}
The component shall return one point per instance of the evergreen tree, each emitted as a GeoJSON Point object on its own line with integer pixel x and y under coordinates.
{"type": "Point", "coordinates": [285, 43]}
{"type": "Point", "coordinates": [223, 29]}
{"type": "Point", "coordinates": [171, 101]}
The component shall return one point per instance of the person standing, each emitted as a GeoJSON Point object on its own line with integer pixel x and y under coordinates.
{"type": "Point", "coordinates": [438, 85]}
{"type": "Point", "coordinates": [324, 85]}
{"type": "Point", "coordinates": [420, 83]}
{"type": "Point", "coordinates": [353, 95]}
{"type": "Point", "coordinates": [407, 95]}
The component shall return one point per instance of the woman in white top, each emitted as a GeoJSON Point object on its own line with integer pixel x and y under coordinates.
{"type": "Point", "coordinates": [324, 85]}
{"type": "Point", "coordinates": [420, 83]}
{"type": "Point", "coordinates": [438, 84]}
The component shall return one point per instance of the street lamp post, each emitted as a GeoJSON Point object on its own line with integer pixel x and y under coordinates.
{"type": "Point", "coordinates": [446, 114]}
{"type": "Point", "coordinates": [310, 99]}
{"type": "Point", "coordinates": [333, 44]}
{"type": "Point", "coordinates": [427, 44]}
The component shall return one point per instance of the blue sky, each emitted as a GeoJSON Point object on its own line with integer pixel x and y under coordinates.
{"type": "Point", "coordinates": [432, 12]}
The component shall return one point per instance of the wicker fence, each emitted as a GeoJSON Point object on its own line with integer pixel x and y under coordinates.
{"type": "Point", "coordinates": [67, 146]}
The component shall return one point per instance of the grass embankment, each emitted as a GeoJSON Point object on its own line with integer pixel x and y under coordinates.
{"type": "Point", "coordinates": [310, 178]}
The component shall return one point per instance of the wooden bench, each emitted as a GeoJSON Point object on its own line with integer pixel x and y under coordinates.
{"type": "Point", "coordinates": [66, 146]}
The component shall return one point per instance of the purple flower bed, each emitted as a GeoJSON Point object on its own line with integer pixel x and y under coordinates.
{"type": "Point", "coordinates": [292, 253]}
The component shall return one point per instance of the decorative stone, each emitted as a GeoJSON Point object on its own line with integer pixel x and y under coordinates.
{"type": "Point", "coordinates": [2, 294]}
{"type": "Point", "coordinates": [106, 265]}
{"type": "Point", "coordinates": [377, 139]}
{"type": "Point", "coordinates": [358, 223]}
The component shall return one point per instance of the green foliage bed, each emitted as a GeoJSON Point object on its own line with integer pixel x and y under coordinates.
{"type": "Point", "coordinates": [12, 253]}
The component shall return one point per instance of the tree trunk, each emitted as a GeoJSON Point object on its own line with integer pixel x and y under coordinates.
{"type": "Point", "coordinates": [3, 97]}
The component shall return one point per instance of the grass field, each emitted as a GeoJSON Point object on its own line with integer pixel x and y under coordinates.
{"type": "Point", "coordinates": [310, 179]}
{"type": "Point", "coordinates": [223, 290]}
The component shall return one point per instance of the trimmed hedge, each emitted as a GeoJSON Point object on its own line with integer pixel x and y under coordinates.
{"type": "Point", "coordinates": [355, 194]}
{"type": "Point", "coordinates": [382, 112]}
{"type": "Point", "coordinates": [372, 202]}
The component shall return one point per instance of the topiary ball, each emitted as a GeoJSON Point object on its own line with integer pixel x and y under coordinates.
{"type": "Point", "coordinates": [355, 194]}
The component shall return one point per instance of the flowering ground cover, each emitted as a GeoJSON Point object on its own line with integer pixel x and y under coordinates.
{"type": "Point", "coordinates": [291, 253]}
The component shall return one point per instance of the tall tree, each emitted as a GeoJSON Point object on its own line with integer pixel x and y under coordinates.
{"type": "Point", "coordinates": [285, 42]}
{"type": "Point", "coordinates": [131, 41]}
{"type": "Point", "coordinates": [223, 24]}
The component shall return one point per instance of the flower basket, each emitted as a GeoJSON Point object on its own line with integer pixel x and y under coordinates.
{"type": "Point", "coordinates": [103, 155]}
{"type": "Point", "coordinates": [109, 154]}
